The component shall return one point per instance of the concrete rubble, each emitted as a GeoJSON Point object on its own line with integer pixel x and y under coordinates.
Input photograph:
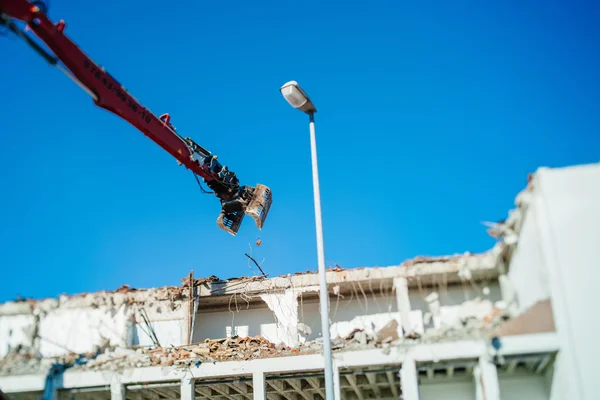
{"type": "Point", "coordinates": [209, 351]}
{"type": "Point", "coordinates": [470, 325]}
{"type": "Point", "coordinates": [130, 328]}
{"type": "Point", "coordinates": [25, 361]}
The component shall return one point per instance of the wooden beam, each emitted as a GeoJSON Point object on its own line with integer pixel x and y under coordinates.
{"type": "Point", "coordinates": [190, 306]}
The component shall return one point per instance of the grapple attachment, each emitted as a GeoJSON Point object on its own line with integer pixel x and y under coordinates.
{"type": "Point", "coordinates": [254, 202]}
{"type": "Point", "coordinates": [230, 222]}
{"type": "Point", "coordinates": [259, 205]}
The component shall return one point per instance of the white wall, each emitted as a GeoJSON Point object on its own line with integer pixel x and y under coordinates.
{"type": "Point", "coordinates": [457, 294]}
{"type": "Point", "coordinates": [346, 315]}
{"type": "Point", "coordinates": [351, 311]}
{"type": "Point", "coordinates": [523, 387]}
{"type": "Point", "coordinates": [448, 391]}
{"type": "Point", "coordinates": [215, 325]}
{"type": "Point", "coordinates": [382, 309]}
{"type": "Point", "coordinates": [15, 330]}
{"type": "Point", "coordinates": [262, 321]}
{"type": "Point", "coordinates": [566, 207]}
{"type": "Point", "coordinates": [84, 322]}
{"type": "Point", "coordinates": [167, 332]}
{"type": "Point", "coordinates": [81, 329]}
{"type": "Point", "coordinates": [528, 273]}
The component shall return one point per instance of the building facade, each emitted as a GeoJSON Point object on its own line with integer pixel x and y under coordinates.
{"type": "Point", "coordinates": [514, 322]}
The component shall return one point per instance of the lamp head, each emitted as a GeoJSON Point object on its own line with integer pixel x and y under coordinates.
{"type": "Point", "coordinates": [297, 98]}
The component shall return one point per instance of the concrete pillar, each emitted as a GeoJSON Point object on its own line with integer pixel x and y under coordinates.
{"type": "Point", "coordinates": [259, 385]}
{"type": "Point", "coordinates": [117, 389]}
{"type": "Point", "coordinates": [337, 390]}
{"type": "Point", "coordinates": [409, 379]}
{"type": "Point", "coordinates": [188, 388]}
{"type": "Point", "coordinates": [403, 303]}
{"type": "Point", "coordinates": [486, 380]}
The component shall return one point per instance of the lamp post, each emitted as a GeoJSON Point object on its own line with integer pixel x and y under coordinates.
{"type": "Point", "coordinates": [298, 99]}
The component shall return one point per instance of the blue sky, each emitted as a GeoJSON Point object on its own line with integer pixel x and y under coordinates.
{"type": "Point", "coordinates": [430, 118]}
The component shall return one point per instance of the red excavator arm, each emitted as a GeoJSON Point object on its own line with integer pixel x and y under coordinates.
{"type": "Point", "coordinates": [107, 93]}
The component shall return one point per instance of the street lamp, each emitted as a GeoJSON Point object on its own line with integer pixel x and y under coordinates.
{"type": "Point", "coordinates": [294, 95]}
{"type": "Point", "coordinates": [297, 98]}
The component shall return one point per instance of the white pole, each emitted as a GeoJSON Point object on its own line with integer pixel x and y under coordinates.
{"type": "Point", "coordinates": [324, 294]}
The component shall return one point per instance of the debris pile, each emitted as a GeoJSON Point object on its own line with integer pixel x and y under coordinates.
{"type": "Point", "coordinates": [118, 358]}
{"type": "Point", "coordinates": [472, 319]}
{"type": "Point", "coordinates": [20, 361]}
{"type": "Point", "coordinates": [240, 348]}
{"type": "Point", "coordinates": [210, 351]}
{"type": "Point", "coordinates": [115, 358]}
{"type": "Point", "coordinates": [24, 360]}
{"type": "Point", "coordinates": [360, 339]}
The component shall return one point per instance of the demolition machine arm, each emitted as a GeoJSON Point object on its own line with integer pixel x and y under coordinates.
{"type": "Point", "coordinates": [107, 93]}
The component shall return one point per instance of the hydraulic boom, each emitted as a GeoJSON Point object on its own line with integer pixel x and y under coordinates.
{"type": "Point", "coordinates": [107, 93]}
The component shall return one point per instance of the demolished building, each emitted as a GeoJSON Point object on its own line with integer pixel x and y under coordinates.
{"type": "Point", "coordinates": [504, 324]}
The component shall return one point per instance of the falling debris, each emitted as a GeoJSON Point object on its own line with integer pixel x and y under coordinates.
{"type": "Point", "coordinates": [257, 264]}
{"type": "Point", "coordinates": [337, 268]}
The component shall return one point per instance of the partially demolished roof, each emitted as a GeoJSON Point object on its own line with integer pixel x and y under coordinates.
{"type": "Point", "coordinates": [418, 271]}
{"type": "Point", "coordinates": [112, 352]}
